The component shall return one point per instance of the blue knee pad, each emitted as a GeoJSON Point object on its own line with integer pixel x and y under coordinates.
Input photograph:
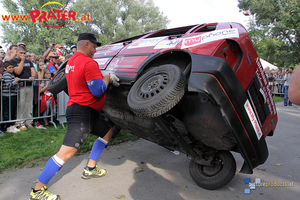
{"type": "Point", "coordinates": [97, 149]}
{"type": "Point", "coordinates": [50, 169]}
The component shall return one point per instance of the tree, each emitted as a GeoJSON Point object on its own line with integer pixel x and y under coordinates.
{"type": "Point", "coordinates": [109, 20]}
{"type": "Point", "coordinates": [118, 19]}
{"type": "Point", "coordinates": [280, 22]}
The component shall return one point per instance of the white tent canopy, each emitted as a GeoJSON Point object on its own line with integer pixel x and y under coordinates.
{"type": "Point", "coordinates": [266, 64]}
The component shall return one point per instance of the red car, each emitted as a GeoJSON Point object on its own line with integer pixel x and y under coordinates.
{"type": "Point", "coordinates": [197, 89]}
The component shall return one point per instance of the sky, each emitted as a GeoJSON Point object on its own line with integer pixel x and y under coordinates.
{"type": "Point", "coordinates": [190, 12]}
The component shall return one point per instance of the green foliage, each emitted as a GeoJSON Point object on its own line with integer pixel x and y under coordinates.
{"type": "Point", "coordinates": [34, 146]}
{"type": "Point", "coordinates": [110, 20]}
{"type": "Point", "coordinates": [277, 27]}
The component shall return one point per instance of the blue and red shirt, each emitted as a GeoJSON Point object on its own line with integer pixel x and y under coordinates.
{"type": "Point", "coordinates": [52, 68]}
{"type": "Point", "coordinates": [80, 69]}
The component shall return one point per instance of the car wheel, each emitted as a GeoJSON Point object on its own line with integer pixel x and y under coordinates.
{"type": "Point", "coordinates": [59, 82]}
{"type": "Point", "coordinates": [216, 176]}
{"type": "Point", "coordinates": [157, 91]}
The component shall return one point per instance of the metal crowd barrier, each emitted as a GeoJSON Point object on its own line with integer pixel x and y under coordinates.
{"type": "Point", "coordinates": [35, 111]}
{"type": "Point", "coordinates": [275, 88]}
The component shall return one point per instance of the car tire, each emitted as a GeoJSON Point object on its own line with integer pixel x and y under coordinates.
{"type": "Point", "coordinates": [216, 176]}
{"type": "Point", "coordinates": [59, 82]}
{"type": "Point", "coordinates": [157, 91]}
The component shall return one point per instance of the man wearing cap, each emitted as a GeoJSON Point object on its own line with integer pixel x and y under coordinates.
{"type": "Point", "coordinates": [53, 57]}
{"type": "Point", "coordinates": [21, 44]}
{"type": "Point", "coordinates": [58, 48]}
{"type": "Point", "coordinates": [86, 87]}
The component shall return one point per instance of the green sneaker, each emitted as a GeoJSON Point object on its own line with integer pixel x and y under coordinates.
{"type": "Point", "coordinates": [95, 173]}
{"type": "Point", "coordinates": [43, 194]}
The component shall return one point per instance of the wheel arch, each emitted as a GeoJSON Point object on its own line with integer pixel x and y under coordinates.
{"type": "Point", "coordinates": [178, 58]}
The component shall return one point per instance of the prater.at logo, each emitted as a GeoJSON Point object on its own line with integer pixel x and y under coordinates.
{"type": "Point", "coordinates": [51, 14]}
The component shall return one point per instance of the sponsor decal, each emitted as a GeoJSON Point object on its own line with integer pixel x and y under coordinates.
{"type": "Point", "coordinates": [253, 119]}
{"type": "Point", "coordinates": [266, 89]}
{"type": "Point", "coordinates": [69, 68]}
{"type": "Point", "coordinates": [168, 43]}
{"type": "Point", "coordinates": [210, 37]}
{"type": "Point", "coordinates": [102, 61]}
{"type": "Point", "coordinates": [145, 42]}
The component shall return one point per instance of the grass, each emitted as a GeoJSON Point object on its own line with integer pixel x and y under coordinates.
{"type": "Point", "coordinates": [33, 147]}
{"type": "Point", "coordinates": [277, 99]}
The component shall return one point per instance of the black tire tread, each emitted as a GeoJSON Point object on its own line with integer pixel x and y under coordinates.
{"type": "Point", "coordinates": [219, 180]}
{"type": "Point", "coordinates": [163, 105]}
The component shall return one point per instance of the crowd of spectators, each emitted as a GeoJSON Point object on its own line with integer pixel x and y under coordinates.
{"type": "Point", "coordinates": [20, 73]}
{"type": "Point", "coordinates": [279, 81]}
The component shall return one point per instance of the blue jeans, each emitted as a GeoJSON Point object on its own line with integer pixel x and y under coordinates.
{"type": "Point", "coordinates": [286, 90]}
{"type": "Point", "coordinates": [280, 88]}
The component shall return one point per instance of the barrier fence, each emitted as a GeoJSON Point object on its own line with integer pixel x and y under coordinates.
{"type": "Point", "coordinates": [32, 110]}
{"type": "Point", "coordinates": [276, 88]}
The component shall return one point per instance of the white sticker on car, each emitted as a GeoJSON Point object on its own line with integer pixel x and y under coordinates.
{"type": "Point", "coordinates": [167, 43]}
{"type": "Point", "coordinates": [253, 119]}
{"type": "Point", "coordinates": [146, 42]}
{"type": "Point", "coordinates": [210, 37]}
{"type": "Point", "coordinates": [101, 61]}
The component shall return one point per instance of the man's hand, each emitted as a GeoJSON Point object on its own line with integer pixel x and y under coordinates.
{"type": "Point", "coordinates": [22, 57]}
{"type": "Point", "coordinates": [31, 79]}
{"type": "Point", "coordinates": [114, 80]}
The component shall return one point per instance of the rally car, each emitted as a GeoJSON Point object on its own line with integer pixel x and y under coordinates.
{"type": "Point", "coordinates": [196, 89]}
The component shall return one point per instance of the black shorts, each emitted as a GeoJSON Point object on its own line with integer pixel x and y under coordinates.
{"type": "Point", "coordinates": [83, 120]}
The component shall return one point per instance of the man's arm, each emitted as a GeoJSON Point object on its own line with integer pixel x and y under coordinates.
{"type": "Point", "coordinates": [18, 70]}
{"type": "Point", "coordinates": [46, 53]}
{"type": "Point", "coordinates": [294, 88]}
{"type": "Point", "coordinates": [33, 73]}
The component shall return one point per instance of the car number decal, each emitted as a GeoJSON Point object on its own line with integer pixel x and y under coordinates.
{"type": "Point", "coordinates": [209, 37]}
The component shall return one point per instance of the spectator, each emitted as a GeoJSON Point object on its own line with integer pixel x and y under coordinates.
{"type": "Point", "coordinates": [9, 95]}
{"type": "Point", "coordinates": [2, 54]}
{"type": "Point", "coordinates": [58, 49]}
{"type": "Point", "coordinates": [47, 100]}
{"type": "Point", "coordinates": [37, 60]}
{"type": "Point", "coordinates": [27, 56]}
{"type": "Point", "coordinates": [280, 81]}
{"type": "Point", "coordinates": [41, 69]}
{"type": "Point", "coordinates": [271, 80]}
{"type": "Point", "coordinates": [32, 57]}
{"type": "Point", "coordinates": [60, 60]}
{"type": "Point", "coordinates": [11, 53]}
{"type": "Point", "coordinates": [287, 78]}
{"type": "Point", "coordinates": [73, 49]}
{"type": "Point", "coordinates": [294, 90]}
{"type": "Point", "coordinates": [24, 70]}
{"type": "Point", "coordinates": [68, 56]}
{"type": "Point", "coordinates": [52, 65]}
